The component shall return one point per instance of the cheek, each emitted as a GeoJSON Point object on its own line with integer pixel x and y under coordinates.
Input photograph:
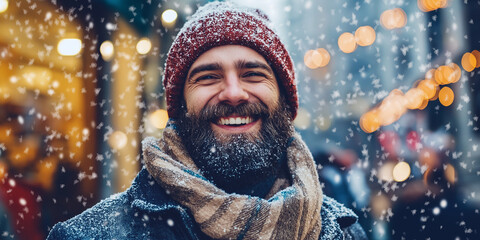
{"type": "Point", "coordinates": [196, 99]}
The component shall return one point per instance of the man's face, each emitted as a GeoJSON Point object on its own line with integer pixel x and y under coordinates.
{"type": "Point", "coordinates": [232, 75]}
{"type": "Point", "coordinates": [225, 85]}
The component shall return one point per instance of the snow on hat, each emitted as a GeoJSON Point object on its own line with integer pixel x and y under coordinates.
{"type": "Point", "coordinates": [222, 23]}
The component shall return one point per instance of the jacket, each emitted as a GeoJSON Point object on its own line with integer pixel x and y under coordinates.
{"type": "Point", "coordinates": [145, 211]}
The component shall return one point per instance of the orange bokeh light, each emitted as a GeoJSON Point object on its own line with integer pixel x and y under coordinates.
{"type": "Point", "coordinates": [469, 62]}
{"type": "Point", "coordinates": [414, 98]}
{"type": "Point", "coordinates": [321, 57]}
{"type": "Point", "coordinates": [446, 96]}
{"type": "Point", "coordinates": [365, 36]}
{"type": "Point", "coordinates": [347, 43]}
{"type": "Point", "coordinates": [431, 5]}
{"type": "Point", "coordinates": [429, 87]}
{"type": "Point", "coordinates": [476, 53]}
{"type": "Point", "coordinates": [393, 18]}
{"type": "Point", "coordinates": [370, 122]}
{"type": "Point", "coordinates": [308, 60]}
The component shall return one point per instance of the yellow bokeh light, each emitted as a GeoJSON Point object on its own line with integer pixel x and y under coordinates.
{"type": "Point", "coordinates": [159, 118]}
{"type": "Point", "coordinates": [450, 173]}
{"type": "Point", "coordinates": [144, 45]}
{"type": "Point", "coordinates": [107, 50]}
{"type": "Point", "coordinates": [365, 36]}
{"type": "Point", "coordinates": [446, 96]}
{"type": "Point", "coordinates": [303, 119]}
{"type": "Point", "coordinates": [3, 5]}
{"type": "Point", "coordinates": [401, 172]}
{"type": "Point", "coordinates": [456, 74]}
{"type": "Point", "coordinates": [69, 46]}
{"type": "Point", "coordinates": [385, 172]}
{"type": "Point", "coordinates": [469, 62]}
{"type": "Point", "coordinates": [169, 16]}
{"type": "Point", "coordinates": [117, 140]}
{"type": "Point", "coordinates": [347, 43]}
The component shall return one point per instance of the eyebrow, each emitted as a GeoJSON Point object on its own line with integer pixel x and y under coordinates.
{"type": "Point", "coordinates": [253, 64]}
{"type": "Point", "coordinates": [242, 64]}
{"type": "Point", "coordinates": [204, 67]}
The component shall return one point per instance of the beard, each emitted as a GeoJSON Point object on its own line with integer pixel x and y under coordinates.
{"type": "Point", "coordinates": [237, 162]}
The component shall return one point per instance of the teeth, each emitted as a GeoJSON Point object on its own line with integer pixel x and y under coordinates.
{"type": "Point", "coordinates": [234, 121]}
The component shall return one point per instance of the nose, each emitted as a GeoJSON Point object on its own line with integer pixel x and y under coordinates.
{"type": "Point", "coordinates": [233, 92]}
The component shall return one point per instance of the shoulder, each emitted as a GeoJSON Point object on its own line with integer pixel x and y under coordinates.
{"type": "Point", "coordinates": [103, 219]}
{"type": "Point", "coordinates": [339, 222]}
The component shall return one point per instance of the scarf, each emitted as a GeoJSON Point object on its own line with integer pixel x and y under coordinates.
{"type": "Point", "coordinates": [290, 213]}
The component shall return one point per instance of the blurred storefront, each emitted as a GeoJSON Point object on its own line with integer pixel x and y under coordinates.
{"type": "Point", "coordinates": [80, 87]}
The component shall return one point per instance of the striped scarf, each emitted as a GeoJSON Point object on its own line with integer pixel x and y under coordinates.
{"type": "Point", "coordinates": [290, 213]}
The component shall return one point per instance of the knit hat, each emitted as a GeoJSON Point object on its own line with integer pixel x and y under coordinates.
{"type": "Point", "coordinates": [223, 23]}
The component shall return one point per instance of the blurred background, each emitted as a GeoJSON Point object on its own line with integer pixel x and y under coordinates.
{"type": "Point", "coordinates": [389, 105]}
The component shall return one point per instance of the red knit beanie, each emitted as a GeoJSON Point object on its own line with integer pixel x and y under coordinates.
{"type": "Point", "coordinates": [222, 23]}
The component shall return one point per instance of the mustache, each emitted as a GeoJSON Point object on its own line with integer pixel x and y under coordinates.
{"type": "Point", "coordinates": [213, 112]}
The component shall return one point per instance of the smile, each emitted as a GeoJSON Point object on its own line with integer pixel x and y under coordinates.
{"type": "Point", "coordinates": [234, 121]}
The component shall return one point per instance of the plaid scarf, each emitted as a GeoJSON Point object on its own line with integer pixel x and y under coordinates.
{"type": "Point", "coordinates": [288, 213]}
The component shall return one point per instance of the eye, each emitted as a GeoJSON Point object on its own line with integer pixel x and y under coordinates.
{"type": "Point", "coordinates": [207, 78]}
{"type": "Point", "coordinates": [254, 75]}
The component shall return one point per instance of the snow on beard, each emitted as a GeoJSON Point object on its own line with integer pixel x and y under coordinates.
{"type": "Point", "coordinates": [237, 161]}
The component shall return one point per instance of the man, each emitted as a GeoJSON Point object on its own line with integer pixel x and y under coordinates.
{"type": "Point", "coordinates": [229, 165]}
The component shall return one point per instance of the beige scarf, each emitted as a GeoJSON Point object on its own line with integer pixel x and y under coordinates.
{"type": "Point", "coordinates": [291, 213]}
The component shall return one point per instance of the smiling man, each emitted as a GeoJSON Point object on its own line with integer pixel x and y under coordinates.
{"type": "Point", "coordinates": [230, 164]}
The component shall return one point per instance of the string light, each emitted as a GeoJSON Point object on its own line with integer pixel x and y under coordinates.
{"type": "Point", "coordinates": [365, 36]}
{"type": "Point", "coordinates": [347, 43]}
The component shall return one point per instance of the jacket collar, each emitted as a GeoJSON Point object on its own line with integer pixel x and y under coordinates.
{"type": "Point", "coordinates": [147, 195]}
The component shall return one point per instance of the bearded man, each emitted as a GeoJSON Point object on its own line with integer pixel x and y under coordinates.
{"type": "Point", "coordinates": [229, 164]}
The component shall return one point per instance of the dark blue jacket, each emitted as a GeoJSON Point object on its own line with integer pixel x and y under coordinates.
{"type": "Point", "coordinates": [145, 211]}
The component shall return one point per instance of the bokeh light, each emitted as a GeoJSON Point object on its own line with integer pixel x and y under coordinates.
{"type": "Point", "coordinates": [365, 36]}
{"type": "Point", "coordinates": [117, 140]}
{"type": "Point", "coordinates": [144, 45]}
{"type": "Point", "coordinates": [159, 118]}
{"type": "Point", "coordinates": [429, 87]}
{"type": "Point", "coordinates": [107, 50]}
{"type": "Point", "coordinates": [370, 121]}
{"type": "Point", "coordinates": [450, 174]}
{"type": "Point", "coordinates": [401, 172]}
{"type": "Point", "coordinates": [431, 5]}
{"type": "Point", "coordinates": [393, 18]}
{"type": "Point", "coordinates": [303, 119]}
{"type": "Point", "coordinates": [476, 53]}
{"type": "Point", "coordinates": [169, 16]}
{"type": "Point", "coordinates": [3, 5]}
{"type": "Point", "coordinates": [446, 96]}
{"type": "Point", "coordinates": [69, 46]}
{"type": "Point", "coordinates": [321, 57]}
{"type": "Point", "coordinates": [347, 43]}
{"type": "Point", "coordinates": [469, 62]}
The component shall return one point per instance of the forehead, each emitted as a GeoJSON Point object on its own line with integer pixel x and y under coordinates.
{"type": "Point", "coordinates": [228, 54]}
